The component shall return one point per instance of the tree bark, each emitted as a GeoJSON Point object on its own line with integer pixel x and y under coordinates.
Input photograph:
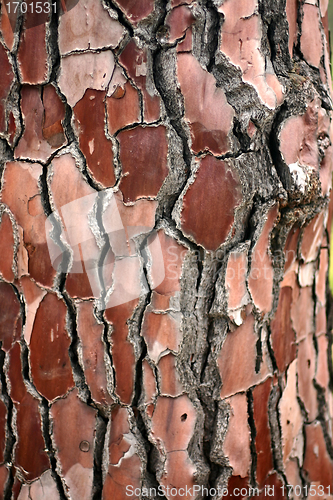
{"type": "Point", "coordinates": [164, 315]}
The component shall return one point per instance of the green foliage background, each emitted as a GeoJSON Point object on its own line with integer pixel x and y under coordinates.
{"type": "Point", "coordinates": [330, 21]}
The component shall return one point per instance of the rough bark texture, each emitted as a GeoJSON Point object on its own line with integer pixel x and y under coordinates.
{"type": "Point", "coordinates": [165, 180]}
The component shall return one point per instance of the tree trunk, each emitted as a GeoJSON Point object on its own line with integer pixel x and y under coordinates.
{"type": "Point", "coordinates": [166, 171]}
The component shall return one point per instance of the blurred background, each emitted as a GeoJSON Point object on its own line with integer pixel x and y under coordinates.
{"type": "Point", "coordinates": [330, 22]}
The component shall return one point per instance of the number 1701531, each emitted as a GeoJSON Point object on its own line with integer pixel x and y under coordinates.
{"type": "Point", "coordinates": [33, 7]}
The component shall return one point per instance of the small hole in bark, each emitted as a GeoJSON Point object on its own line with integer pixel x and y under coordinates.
{"type": "Point", "coordinates": [84, 446]}
{"type": "Point", "coordinates": [119, 92]}
{"type": "Point", "coordinates": [288, 422]}
{"type": "Point", "coordinates": [183, 417]}
{"type": "Point", "coordinates": [309, 363]}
